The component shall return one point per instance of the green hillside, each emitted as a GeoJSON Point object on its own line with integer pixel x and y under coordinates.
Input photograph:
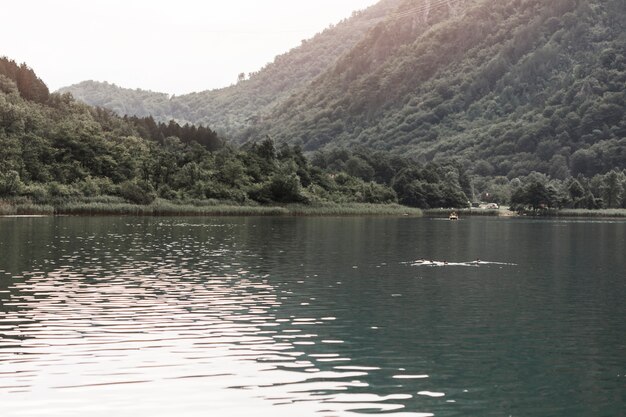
{"type": "Point", "coordinates": [60, 155]}
{"type": "Point", "coordinates": [505, 88]}
{"type": "Point", "coordinates": [511, 93]}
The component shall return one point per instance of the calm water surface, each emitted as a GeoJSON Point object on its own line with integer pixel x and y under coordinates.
{"type": "Point", "coordinates": [312, 317]}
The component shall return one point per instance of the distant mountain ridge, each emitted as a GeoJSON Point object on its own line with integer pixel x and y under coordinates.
{"type": "Point", "coordinates": [231, 110]}
{"type": "Point", "coordinates": [503, 88]}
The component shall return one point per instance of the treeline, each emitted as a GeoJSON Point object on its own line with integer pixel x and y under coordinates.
{"type": "Point", "coordinates": [428, 185]}
{"type": "Point", "coordinates": [148, 128]}
{"type": "Point", "coordinates": [28, 84]}
{"type": "Point", "coordinates": [539, 191]}
{"type": "Point", "coordinates": [448, 184]}
{"type": "Point", "coordinates": [61, 150]}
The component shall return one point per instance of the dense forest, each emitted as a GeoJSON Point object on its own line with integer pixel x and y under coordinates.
{"type": "Point", "coordinates": [503, 89]}
{"type": "Point", "coordinates": [427, 103]}
{"type": "Point", "coordinates": [55, 148]}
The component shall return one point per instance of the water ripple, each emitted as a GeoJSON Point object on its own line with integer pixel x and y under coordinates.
{"type": "Point", "coordinates": [303, 317]}
{"type": "Point", "coordinates": [110, 322]}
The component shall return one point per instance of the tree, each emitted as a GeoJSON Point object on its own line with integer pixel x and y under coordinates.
{"type": "Point", "coordinates": [359, 168]}
{"type": "Point", "coordinates": [576, 192]}
{"type": "Point", "coordinates": [266, 149]}
{"type": "Point", "coordinates": [10, 183]}
{"type": "Point", "coordinates": [534, 194]}
{"type": "Point", "coordinates": [232, 172]}
{"type": "Point", "coordinates": [612, 189]}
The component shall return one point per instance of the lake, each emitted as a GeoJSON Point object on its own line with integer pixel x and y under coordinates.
{"type": "Point", "coordinates": [285, 316]}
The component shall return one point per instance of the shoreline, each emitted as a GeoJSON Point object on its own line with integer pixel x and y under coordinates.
{"type": "Point", "coordinates": [169, 209]}
{"type": "Point", "coordinates": [550, 214]}
{"type": "Point", "coordinates": [166, 208]}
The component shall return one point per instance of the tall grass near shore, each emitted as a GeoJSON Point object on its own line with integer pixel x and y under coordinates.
{"type": "Point", "coordinates": [25, 209]}
{"type": "Point", "coordinates": [442, 212]}
{"type": "Point", "coordinates": [164, 208]}
{"type": "Point", "coordinates": [588, 213]}
{"type": "Point", "coordinates": [118, 207]}
{"type": "Point", "coordinates": [353, 209]}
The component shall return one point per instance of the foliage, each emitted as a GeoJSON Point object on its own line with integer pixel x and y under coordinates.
{"type": "Point", "coordinates": [10, 183]}
{"type": "Point", "coordinates": [502, 89]}
{"type": "Point", "coordinates": [61, 152]}
{"type": "Point", "coordinates": [27, 83]}
{"type": "Point", "coordinates": [439, 104]}
{"type": "Point", "coordinates": [137, 192]}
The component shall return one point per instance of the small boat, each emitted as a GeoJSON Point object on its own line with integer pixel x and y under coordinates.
{"type": "Point", "coordinates": [453, 216]}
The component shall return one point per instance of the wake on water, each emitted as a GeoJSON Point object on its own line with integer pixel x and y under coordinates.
{"type": "Point", "coordinates": [476, 263]}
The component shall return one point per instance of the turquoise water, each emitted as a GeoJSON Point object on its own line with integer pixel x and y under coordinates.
{"type": "Point", "coordinates": [312, 317]}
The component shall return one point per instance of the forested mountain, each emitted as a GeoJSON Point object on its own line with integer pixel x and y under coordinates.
{"type": "Point", "coordinates": [54, 150]}
{"type": "Point", "coordinates": [233, 109]}
{"type": "Point", "coordinates": [505, 88]}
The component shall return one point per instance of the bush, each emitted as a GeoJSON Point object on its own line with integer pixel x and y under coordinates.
{"type": "Point", "coordinates": [283, 188]}
{"type": "Point", "coordinates": [56, 189]}
{"type": "Point", "coordinates": [10, 183]}
{"type": "Point", "coordinates": [166, 192]}
{"type": "Point", "coordinates": [138, 192]}
{"type": "Point", "coordinates": [36, 192]}
{"type": "Point", "coordinates": [89, 187]}
{"type": "Point", "coordinates": [220, 191]}
{"type": "Point", "coordinates": [378, 194]}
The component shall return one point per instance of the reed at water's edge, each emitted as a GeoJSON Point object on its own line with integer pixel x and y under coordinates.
{"type": "Point", "coordinates": [112, 206]}
{"type": "Point", "coordinates": [588, 213]}
{"type": "Point", "coordinates": [101, 207]}
{"type": "Point", "coordinates": [444, 212]}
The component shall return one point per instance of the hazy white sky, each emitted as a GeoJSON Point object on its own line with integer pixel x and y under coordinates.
{"type": "Point", "coordinates": [175, 46]}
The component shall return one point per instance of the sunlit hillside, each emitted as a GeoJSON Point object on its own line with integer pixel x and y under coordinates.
{"type": "Point", "coordinates": [504, 88]}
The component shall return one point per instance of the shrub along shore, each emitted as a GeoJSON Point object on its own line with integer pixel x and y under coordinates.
{"type": "Point", "coordinates": [587, 213]}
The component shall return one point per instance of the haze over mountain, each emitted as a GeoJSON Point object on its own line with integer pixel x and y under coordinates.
{"type": "Point", "coordinates": [230, 110]}
{"type": "Point", "coordinates": [504, 88]}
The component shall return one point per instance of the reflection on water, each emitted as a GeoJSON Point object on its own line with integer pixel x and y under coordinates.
{"type": "Point", "coordinates": [299, 317]}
